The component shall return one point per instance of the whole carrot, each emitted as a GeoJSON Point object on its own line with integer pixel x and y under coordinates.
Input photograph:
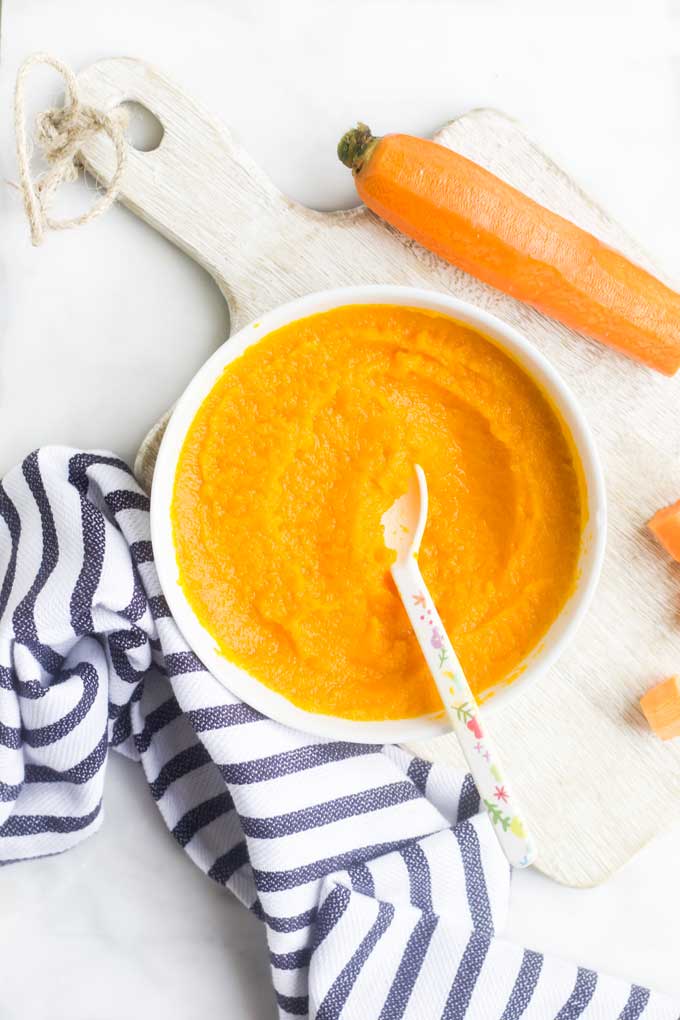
{"type": "Point", "coordinates": [473, 219]}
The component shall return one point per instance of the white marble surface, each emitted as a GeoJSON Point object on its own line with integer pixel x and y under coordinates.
{"type": "Point", "coordinates": [100, 329]}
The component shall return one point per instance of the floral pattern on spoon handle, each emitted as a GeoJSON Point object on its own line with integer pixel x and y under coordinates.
{"type": "Point", "coordinates": [462, 710]}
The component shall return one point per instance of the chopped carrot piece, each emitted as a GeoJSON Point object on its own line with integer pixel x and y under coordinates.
{"type": "Point", "coordinates": [665, 524]}
{"type": "Point", "coordinates": [661, 707]}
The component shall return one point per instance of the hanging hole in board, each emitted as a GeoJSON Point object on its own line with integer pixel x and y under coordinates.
{"type": "Point", "coordinates": [144, 129]}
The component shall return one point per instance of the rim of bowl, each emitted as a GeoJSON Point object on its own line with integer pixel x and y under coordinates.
{"type": "Point", "coordinates": [510, 340]}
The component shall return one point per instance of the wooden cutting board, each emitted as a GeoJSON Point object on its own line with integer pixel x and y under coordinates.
{"type": "Point", "coordinates": [596, 785]}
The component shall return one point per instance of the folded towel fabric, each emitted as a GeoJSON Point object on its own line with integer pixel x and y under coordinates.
{"type": "Point", "coordinates": [381, 886]}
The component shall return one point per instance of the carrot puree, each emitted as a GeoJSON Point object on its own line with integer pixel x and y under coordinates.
{"type": "Point", "coordinates": [294, 456]}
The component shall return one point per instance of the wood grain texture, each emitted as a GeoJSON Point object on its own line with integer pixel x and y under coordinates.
{"type": "Point", "coordinates": [596, 785]}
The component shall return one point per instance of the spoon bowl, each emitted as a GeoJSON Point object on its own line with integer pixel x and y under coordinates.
{"type": "Point", "coordinates": [404, 523]}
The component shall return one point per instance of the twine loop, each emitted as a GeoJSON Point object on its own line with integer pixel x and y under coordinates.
{"type": "Point", "coordinates": [61, 133]}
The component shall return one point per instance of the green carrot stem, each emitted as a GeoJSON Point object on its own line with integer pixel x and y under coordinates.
{"type": "Point", "coordinates": [355, 147]}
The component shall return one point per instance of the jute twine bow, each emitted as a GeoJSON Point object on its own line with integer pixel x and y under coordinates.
{"type": "Point", "coordinates": [61, 132]}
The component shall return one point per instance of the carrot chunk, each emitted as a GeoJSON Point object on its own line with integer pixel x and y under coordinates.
{"type": "Point", "coordinates": [665, 524]}
{"type": "Point", "coordinates": [661, 707]}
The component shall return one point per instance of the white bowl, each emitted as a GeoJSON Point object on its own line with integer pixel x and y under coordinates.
{"type": "Point", "coordinates": [252, 690]}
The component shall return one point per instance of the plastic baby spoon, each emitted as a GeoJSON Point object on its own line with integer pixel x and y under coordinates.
{"type": "Point", "coordinates": [403, 527]}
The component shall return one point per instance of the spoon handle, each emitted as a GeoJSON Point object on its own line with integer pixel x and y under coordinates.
{"type": "Point", "coordinates": [462, 709]}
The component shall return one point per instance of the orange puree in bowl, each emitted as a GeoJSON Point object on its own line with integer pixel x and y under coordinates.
{"type": "Point", "coordinates": [288, 466]}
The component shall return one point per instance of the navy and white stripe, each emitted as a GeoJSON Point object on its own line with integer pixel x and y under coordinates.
{"type": "Point", "coordinates": [381, 887]}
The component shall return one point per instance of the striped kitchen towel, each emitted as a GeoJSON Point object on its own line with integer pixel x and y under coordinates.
{"type": "Point", "coordinates": [381, 887]}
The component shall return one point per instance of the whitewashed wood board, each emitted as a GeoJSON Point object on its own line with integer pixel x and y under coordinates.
{"type": "Point", "coordinates": [596, 784]}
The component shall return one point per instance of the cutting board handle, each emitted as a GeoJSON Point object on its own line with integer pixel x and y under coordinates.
{"type": "Point", "coordinates": [198, 187]}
